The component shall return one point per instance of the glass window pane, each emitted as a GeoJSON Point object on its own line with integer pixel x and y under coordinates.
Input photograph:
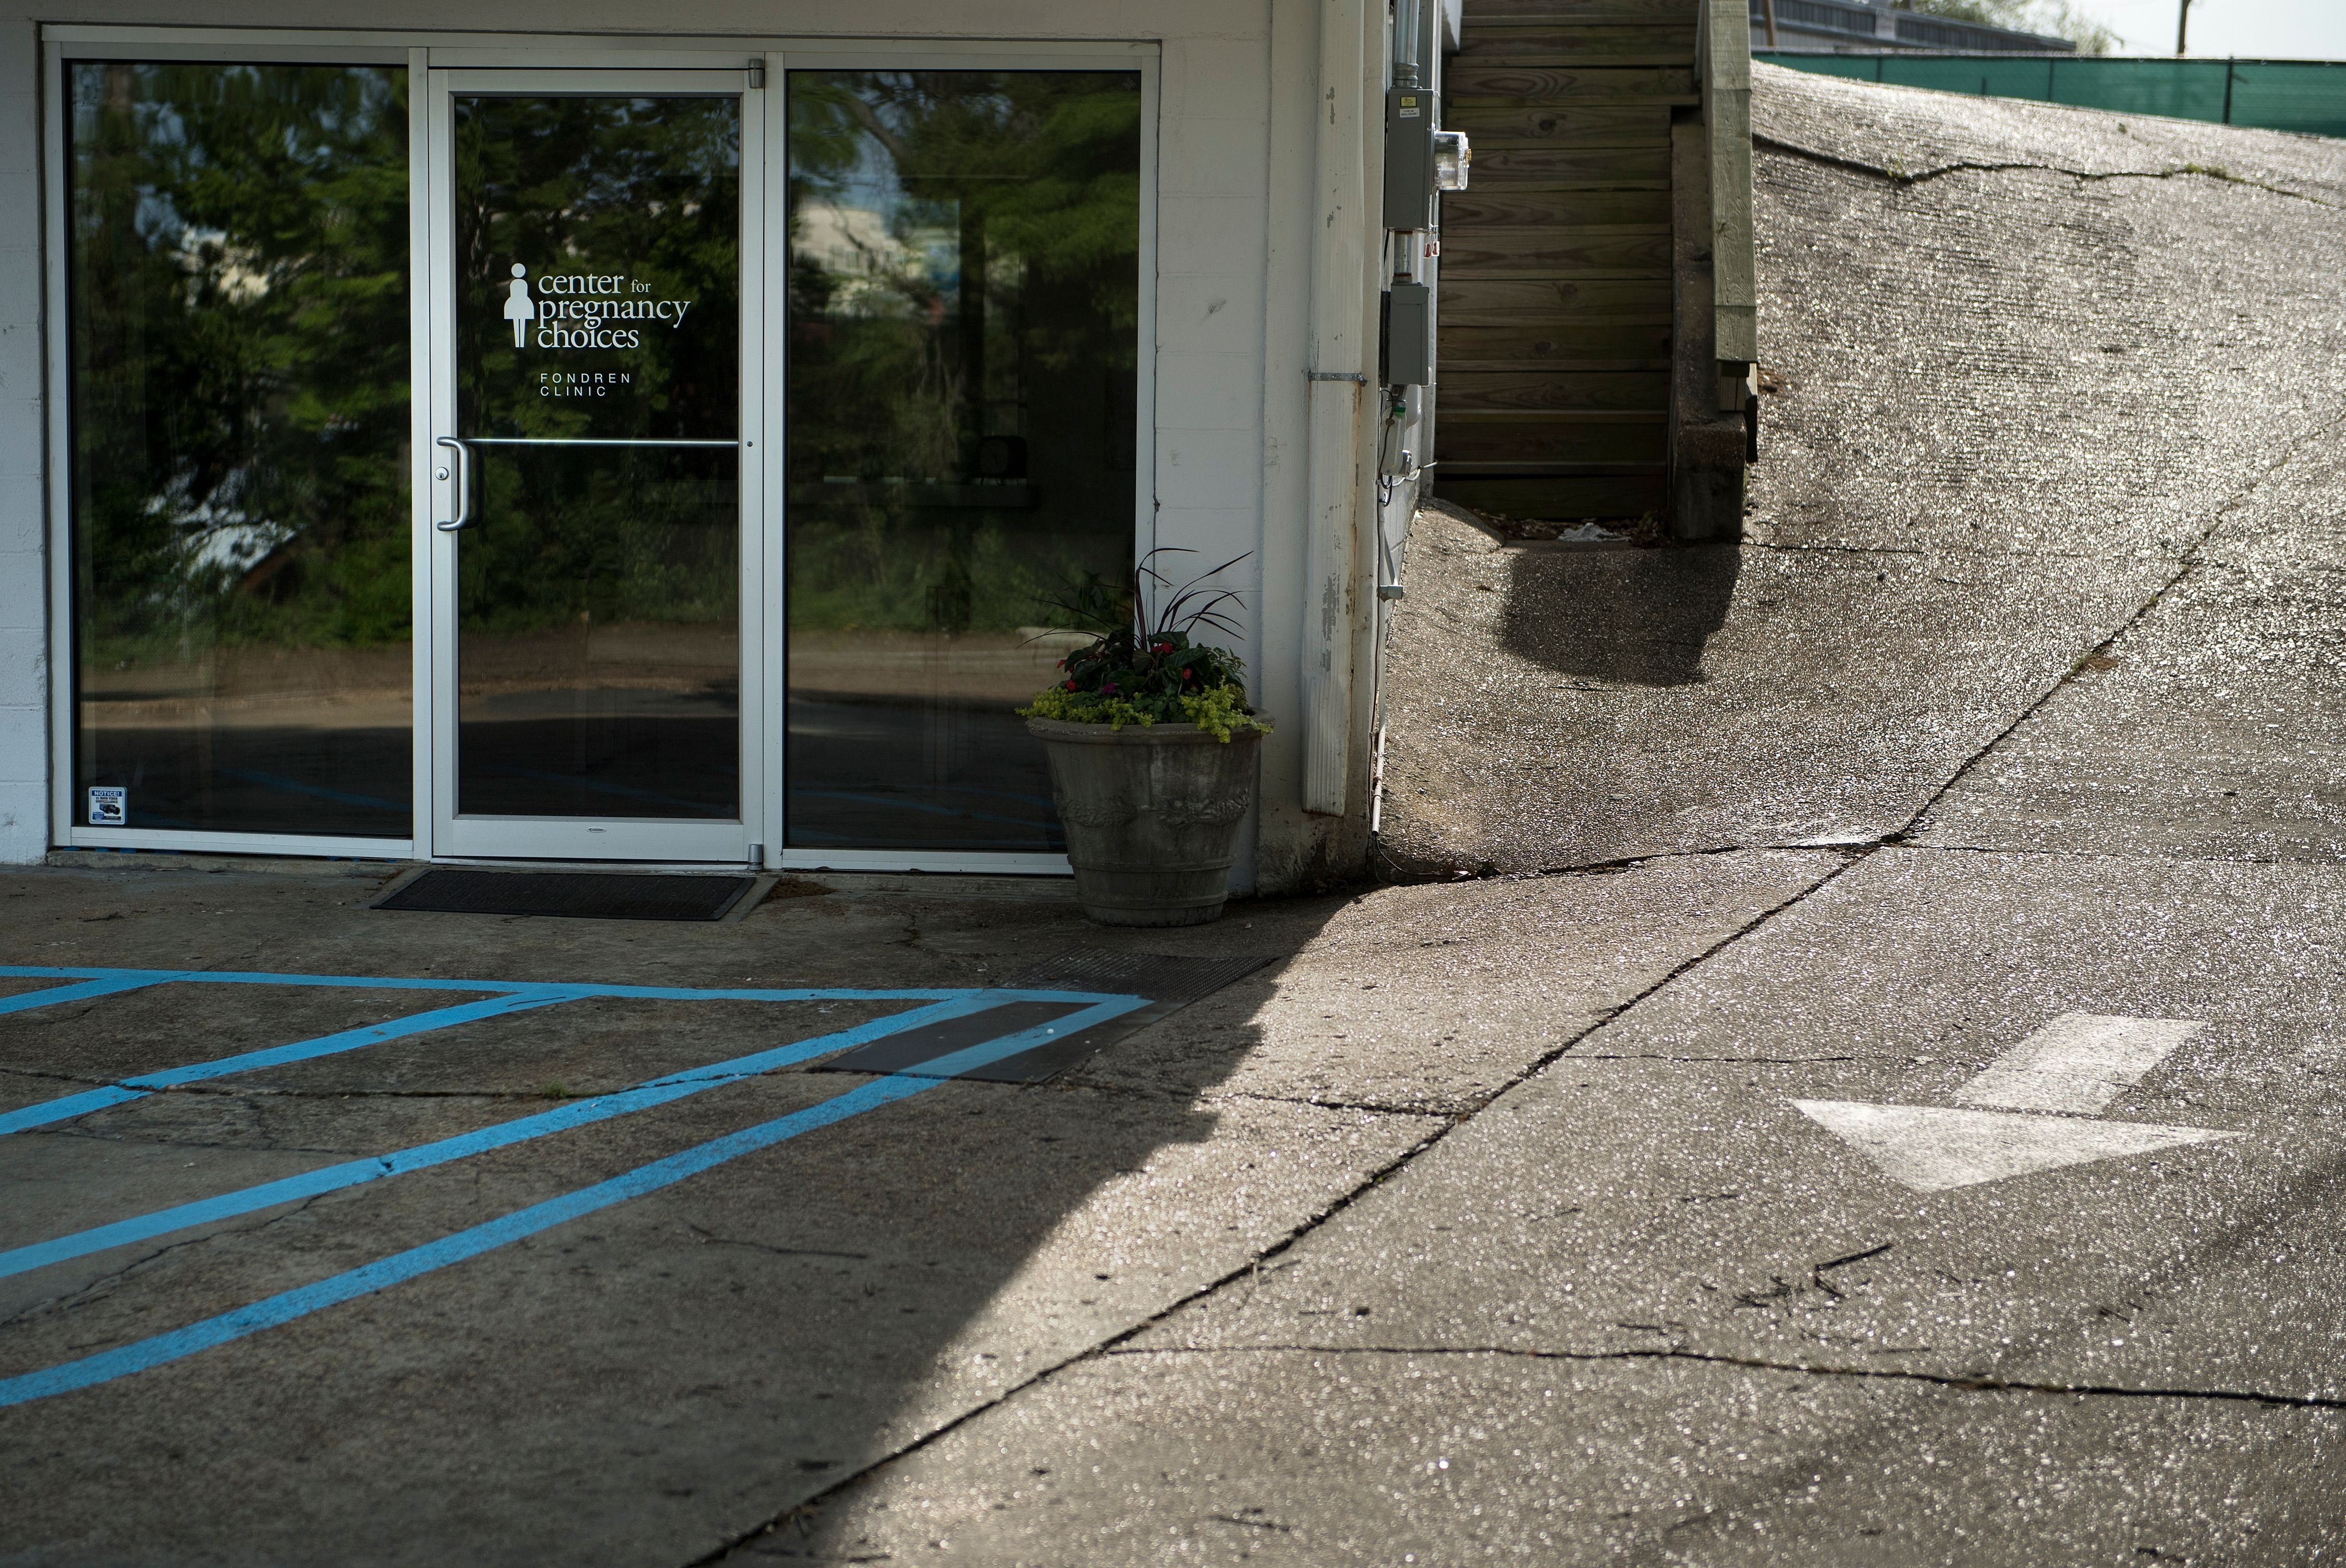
{"type": "Point", "coordinates": [598, 258]}
{"type": "Point", "coordinates": [963, 318]}
{"type": "Point", "coordinates": [237, 332]}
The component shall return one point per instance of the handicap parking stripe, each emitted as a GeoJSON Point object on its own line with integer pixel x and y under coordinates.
{"type": "Point", "coordinates": [510, 996]}
{"type": "Point", "coordinates": [104, 985]}
{"type": "Point", "coordinates": [422, 1156]}
{"type": "Point", "coordinates": [179, 1343]}
{"type": "Point", "coordinates": [138, 1088]}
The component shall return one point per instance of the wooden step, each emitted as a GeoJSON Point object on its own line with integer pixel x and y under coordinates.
{"type": "Point", "coordinates": [1548, 391]}
{"type": "Point", "coordinates": [1518, 207]}
{"type": "Point", "coordinates": [1583, 435]}
{"type": "Point", "coordinates": [1467, 81]}
{"type": "Point", "coordinates": [1568, 74]}
{"type": "Point", "coordinates": [1609, 250]}
{"type": "Point", "coordinates": [1574, 168]}
{"type": "Point", "coordinates": [1563, 345]}
{"type": "Point", "coordinates": [1495, 122]}
{"type": "Point", "coordinates": [1609, 44]}
{"type": "Point", "coordinates": [1553, 13]}
{"type": "Point", "coordinates": [1556, 297]}
{"type": "Point", "coordinates": [1542, 305]}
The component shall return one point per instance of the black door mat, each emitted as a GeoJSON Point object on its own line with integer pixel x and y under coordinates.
{"type": "Point", "coordinates": [1169, 983]}
{"type": "Point", "coordinates": [571, 895]}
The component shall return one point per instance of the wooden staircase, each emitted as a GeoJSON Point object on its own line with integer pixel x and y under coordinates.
{"type": "Point", "coordinates": [1555, 292]}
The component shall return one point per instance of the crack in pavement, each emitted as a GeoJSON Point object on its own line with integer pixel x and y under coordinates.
{"type": "Point", "coordinates": [254, 1092]}
{"type": "Point", "coordinates": [1728, 1061]}
{"type": "Point", "coordinates": [1979, 552]}
{"type": "Point", "coordinates": [102, 1286]}
{"type": "Point", "coordinates": [1372, 1107]}
{"type": "Point", "coordinates": [1853, 854]}
{"type": "Point", "coordinates": [1979, 1382]}
{"type": "Point", "coordinates": [1898, 176]}
{"type": "Point", "coordinates": [711, 1238]}
{"type": "Point", "coordinates": [259, 1145]}
{"type": "Point", "coordinates": [1253, 1266]}
{"type": "Point", "coordinates": [2188, 562]}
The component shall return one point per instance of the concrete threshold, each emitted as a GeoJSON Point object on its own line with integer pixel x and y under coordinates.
{"type": "Point", "coordinates": [1015, 887]}
{"type": "Point", "coordinates": [275, 865]}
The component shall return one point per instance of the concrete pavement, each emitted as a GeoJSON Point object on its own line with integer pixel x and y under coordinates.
{"type": "Point", "coordinates": [2034, 632]}
{"type": "Point", "coordinates": [667, 1376]}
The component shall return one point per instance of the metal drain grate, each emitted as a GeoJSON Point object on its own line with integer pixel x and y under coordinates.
{"type": "Point", "coordinates": [570, 895]}
{"type": "Point", "coordinates": [1169, 983]}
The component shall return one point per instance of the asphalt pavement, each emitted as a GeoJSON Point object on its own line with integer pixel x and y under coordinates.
{"type": "Point", "coordinates": [1857, 1083]}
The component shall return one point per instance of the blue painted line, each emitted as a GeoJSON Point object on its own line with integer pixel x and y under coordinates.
{"type": "Point", "coordinates": [56, 994]}
{"type": "Point", "coordinates": [82, 1104]}
{"type": "Point", "coordinates": [240, 977]}
{"type": "Point", "coordinates": [521, 1130]}
{"type": "Point", "coordinates": [991, 1051]}
{"type": "Point", "coordinates": [563, 990]}
{"type": "Point", "coordinates": [277, 1310]}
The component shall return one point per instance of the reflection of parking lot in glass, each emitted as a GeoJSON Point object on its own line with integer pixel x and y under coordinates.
{"type": "Point", "coordinates": [1071, 1012]}
{"type": "Point", "coordinates": [864, 775]}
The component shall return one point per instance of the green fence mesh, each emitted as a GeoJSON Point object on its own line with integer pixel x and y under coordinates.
{"type": "Point", "coordinates": [2308, 96]}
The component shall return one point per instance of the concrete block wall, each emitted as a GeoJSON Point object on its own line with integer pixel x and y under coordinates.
{"type": "Point", "coordinates": [25, 673]}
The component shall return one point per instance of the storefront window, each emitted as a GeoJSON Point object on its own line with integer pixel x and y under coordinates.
{"type": "Point", "coordinates": [237, 332]}
{"type": "Point", "coordinates": [964, 333]}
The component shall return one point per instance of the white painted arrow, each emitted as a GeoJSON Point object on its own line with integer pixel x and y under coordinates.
{"type": "Point", "coordinates": [2078, 1063]}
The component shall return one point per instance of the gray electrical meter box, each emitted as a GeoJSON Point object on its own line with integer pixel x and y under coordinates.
{"type": "Point", "coordinates": [1408, 157]}
{"type": "Point", "coordinates": [1407, 357]}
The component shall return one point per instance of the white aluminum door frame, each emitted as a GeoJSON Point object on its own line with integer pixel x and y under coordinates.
{"type": "Point", "coordinates": [579, 839]}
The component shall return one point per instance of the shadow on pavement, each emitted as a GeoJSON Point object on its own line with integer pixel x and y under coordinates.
{"type": "Point", "coordinates": [652, 1381]}
{"type": "Point", "coordinates": [1630, 617]}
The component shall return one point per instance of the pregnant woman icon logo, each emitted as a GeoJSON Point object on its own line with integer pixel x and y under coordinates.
{"type": "Point", "coordinates": [520, 309]}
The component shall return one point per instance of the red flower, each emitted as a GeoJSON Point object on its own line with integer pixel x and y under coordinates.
{"type": "Point", "coordinates": [1071, 686]}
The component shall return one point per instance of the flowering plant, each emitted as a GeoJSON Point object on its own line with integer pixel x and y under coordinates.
{"type": "Point", "coordinates": [1139, 671]}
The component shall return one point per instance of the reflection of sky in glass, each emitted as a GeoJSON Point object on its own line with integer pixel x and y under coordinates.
{"type": "Point", "coordinates": [160, 125]}
{"type": "Point", "coordinates": [901, 251]}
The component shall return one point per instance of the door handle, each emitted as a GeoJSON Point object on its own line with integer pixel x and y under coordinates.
{"type": "Point", "coordinates": [461, 475]}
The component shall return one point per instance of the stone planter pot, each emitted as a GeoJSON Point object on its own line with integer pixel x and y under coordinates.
{"type": "Point", "coordinates": [1152, 816]}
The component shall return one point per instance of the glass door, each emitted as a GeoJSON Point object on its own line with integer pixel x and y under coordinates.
{"type": "Point", "coordinates": [593, 463]}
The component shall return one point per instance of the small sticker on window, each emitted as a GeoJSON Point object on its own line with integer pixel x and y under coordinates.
{"type": "Point", "coordinates": [109, 806]}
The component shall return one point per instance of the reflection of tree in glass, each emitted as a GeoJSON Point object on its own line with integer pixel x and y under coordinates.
{"type": "Point", "coordinates": [237, 330]}
{"type": "Point", "coordinates": [647, 190]}
{"type": "Point", "coordinates": [964, 303]}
